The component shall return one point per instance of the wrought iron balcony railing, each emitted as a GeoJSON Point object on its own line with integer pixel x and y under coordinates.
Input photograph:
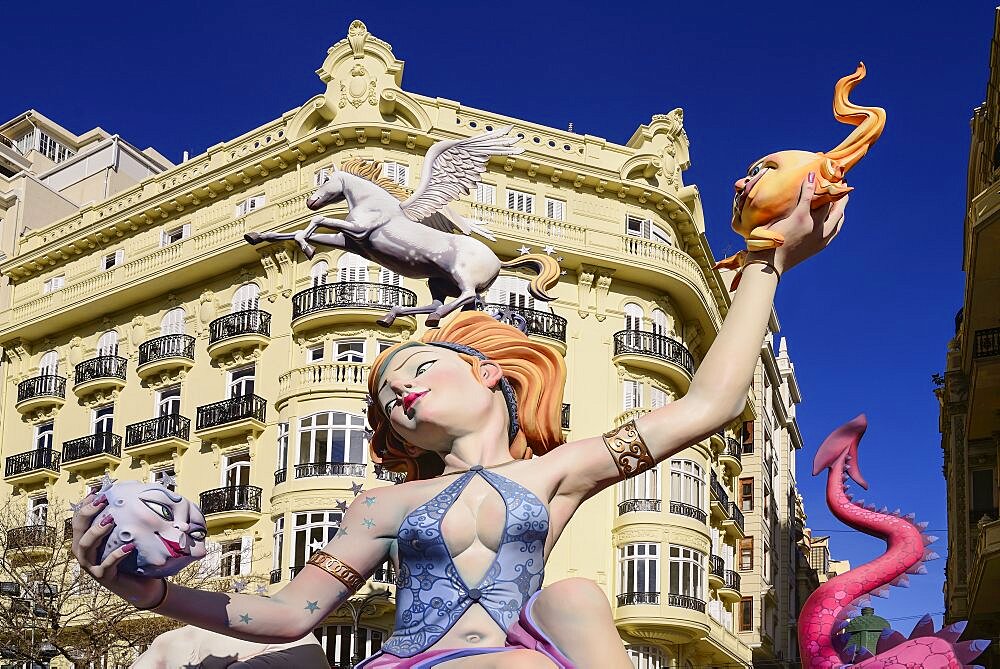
{"type": "Point", "coordinates": [355, 469]}
{"type": "Point", "coordinates": [275, 576]}
{"type": "Point", "coordinates": [162, 427]}
{"type": "Point", "coordinates": [238, 323]}
{"type": "Point", "coordinates": [32, 536]}
{"type": "Point", "coordinates": [733, 449]}
{"type": "Point", "coordinates": [633, 598]}
{"type": "Point", "coordinates": [717, 566]}
{"type": "Point", "coordinates": [345, 294]}
{"type": "Point", "coordinates": [633, 505]}
{"type": "Point", "coordinates": [986, 343]}
{"type": "Point", "coordinates": [230, 498]}
{"type": "Point", "coordinates": [40, 458]}
{"type": "Point", "coordinates": [732, 580]}
{"type": "Point", "coordinates": [564, 420]}
{"type": "Point", "coordinates": [719, 491]}
{"type": "Point", "coordinates": [686, 602]}
{"type": "Point", "coordinates": [280, 476]}
{"type": "Point", "coordinates": [737, 516]}
{"type": "Point", "coordinates": [682, 509]}
{"type": "Point", "coordinates": [240, 407]}
{"type": "Point", "coordinates": [167, 346]}
{"type": "Point", "coordinates": [383, 474]}
{"type": "Point", "coordinates": [47, 385]}
{"type": "Point", "coordinates": [102, 367]}
{"type": "Point", "coordinates": [91, 445]}
{"type": "Point", "coordinates": [535, 322]}
{"type": "Point", "coordinates": [655, 345]}
{"type": "Point", "coordinates": [385, 573]}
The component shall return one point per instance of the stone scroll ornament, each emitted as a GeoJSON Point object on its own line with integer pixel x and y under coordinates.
{"type": "Point", "coordinates": [413, 234]}
{"type": "Point", "coordinates": [772, 185]}
{"type": "Point", "coordinates": [826, 614]}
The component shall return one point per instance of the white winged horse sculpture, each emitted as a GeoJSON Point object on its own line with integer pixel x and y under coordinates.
{"type": "Point", "coordinates": [413, 235]}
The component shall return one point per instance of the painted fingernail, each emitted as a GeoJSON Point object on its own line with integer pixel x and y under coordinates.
{"type": "Point", "coordinates": [100, 500]}
{"type": "Point", "coordinates": [812, 176]}
{"type": "Point", "coordinates": [107, 520]}
{"type": "Point", "coordinates": [128, 548]}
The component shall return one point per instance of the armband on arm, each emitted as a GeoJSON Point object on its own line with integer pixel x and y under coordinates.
{"type": "Point", "coordinates": [628, 450]}
{"type": "Point", "coordinates": [347, 575]}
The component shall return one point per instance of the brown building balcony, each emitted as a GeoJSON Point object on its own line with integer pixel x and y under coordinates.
{"type": "Point", "coordinates": [101, 450]}
{"type": "Point", "coordinates": [169, 353]}
{"type": "Point", "coordinates": [249, 329]}
{"type": "Point", "coordinates": [40, 465]}
{"type": "Point", "coordinates": [730, 589]}
{"type": "Point", "coordinates": [164, 434]}
{"type": "Point", "coordinates": [231, 505]}
{"type": "Point", "coordinates": [104, 373]}
{"type": "Point", "coordinates": [238, 416]}
{"type": "Point", "coordinates": [33, 541]}
{"type": "Point", "coordinates": [47, 391]}
{"type": "Point", "coordinates": [349, 302]}
{"type": "Point", "coordinates": [731, 457]}
{"type": "Point", "coordinates": [533, 322]}
{"type": "Point", "coordinates": [656, 353]}
{"type": "Point", "coordinates": [734, 523]}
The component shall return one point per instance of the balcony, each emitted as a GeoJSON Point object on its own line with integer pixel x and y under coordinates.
{"type": "Point", "coordinates": [730, 589]}
{"type": "Point", "coordinates": [564, 417]}
{"type": "Point", "coordinates": [238, 416]}
{"type": "Point", "coordinates": [716, 571]}
{"type": "Point", "coordinates": [310, 469]}
{"type": "Point", "coordinates": [349, 302]}
{"type": "Point", "coordinates": [275, 576]}
{"type": "Point", "coordinates": [166, 354]}
{"type": "Point", "coordinates": [46, 392]}
{"type": "Point", "coordinates": [720, 498]}
{"type": "Point", "coordinates": [678, 619]}
{"type": "Point", "coordinates": [656, 353]}
{"type": "Point", "coordinates": [638, 505]}
{"type": "Point", "coordinates": [533, 322]}
{"type": "Point", "coordinates": [693, 512]}
{"type": "Point", "coordinates": [385, 573]}
{"type": "Point", "coordinates": [686, 602]}
{"type": "Point", "coordinates": [104, 373]}
{"type": "Point", "coordinates": [731, 457]}
{"type": "Point", "coordinates": [101, 450]}
{"type": "Point", "coordinates": [986, 343]}
{"type": "Point", "coordinates": [38, 466]}
{"type": "Point", "coordinates": [280, 476]}
{"type": "Point", "coordinates": [229, 505]}
{"type": "Point", "coordinates": [325, 380]}
{"type": "Point", "coordinates": [383, 474]}
{"type": "Point", "coordinates": [165, 434]}
{"type": "Point", "coordinates": [638, 598]}
{"type": "Point", "coordinates": [249, 329]}
{"type": "Point", "coordinates": [30, 542]}
{"type": "Point", "coordinates": [734, 523]}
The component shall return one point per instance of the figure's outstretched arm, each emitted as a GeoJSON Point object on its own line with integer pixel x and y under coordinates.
{"type": "Point", "coordinates": [718, 390]}
{"type": "Point", "coordinates": [286, 616]}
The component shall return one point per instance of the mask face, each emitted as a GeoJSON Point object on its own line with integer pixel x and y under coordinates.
{"type": "Point", "coordinates": [771, 188]}
{"type": "Point", "coordinates": [168, 531]}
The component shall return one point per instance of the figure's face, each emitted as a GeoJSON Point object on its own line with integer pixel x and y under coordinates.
{"type": "Point", "coordinates": [330, 191]}
{"type": "Point", "coordinates": [168, 531]}
{"type": "Point", "coordinates": [771, 188]}
{"type": "Point", "coordinates": [432, 397]}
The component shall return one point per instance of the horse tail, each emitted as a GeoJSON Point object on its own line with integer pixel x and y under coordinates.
{"type": "Point", "coordinates": [547, 270]}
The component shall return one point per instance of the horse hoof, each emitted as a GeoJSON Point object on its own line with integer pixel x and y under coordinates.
{"type": "Point", "coordinates": [385, 321]}
{"type": "Point", "coordinates": [253, 238]}
{"type": "Point", "coordinates": [432, 321]}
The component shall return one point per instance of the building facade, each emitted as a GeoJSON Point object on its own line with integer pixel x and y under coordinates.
{"type": "Point", "coordinates": [969, 391]}
{"type": "Point", "coordinates": [145, 340]}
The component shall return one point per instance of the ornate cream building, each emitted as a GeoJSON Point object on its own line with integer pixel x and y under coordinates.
{"type": "Point", "coordinates": [145, 339]}
{"type": "Point", "coordinates": [970, 391]}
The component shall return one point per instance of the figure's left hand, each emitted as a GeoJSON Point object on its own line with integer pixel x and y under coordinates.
{"type": "Point", "coordinates": [806, 231]}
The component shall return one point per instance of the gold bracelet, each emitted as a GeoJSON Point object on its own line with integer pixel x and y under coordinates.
{"type": "Point", "coordinates": [628, 450]}
{"type": "Point", "coordinates": [163, 598]}
{"type": "Point", "coordinates": [338, 569]}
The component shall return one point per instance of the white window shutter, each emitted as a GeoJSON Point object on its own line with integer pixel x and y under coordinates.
{"type": "Point", "coordinates": [119, 256]}
{"type": "Point", "coordinates": [246, 555]}
{"type": "Point", "coordinates": [187, 231]}
{"type": "Point", "coordinates": [211, 564]}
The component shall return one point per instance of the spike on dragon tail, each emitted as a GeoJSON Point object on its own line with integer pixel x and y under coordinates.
{"type": "Point", "coordinates": [827, 611]}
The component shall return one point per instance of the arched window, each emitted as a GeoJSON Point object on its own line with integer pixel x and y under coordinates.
{"type": "Point", "coordinates": [49, 364]}
{"type": "Point", "coordinates": [332, 437]}
{"type": "Point", "coordinates": [687, 483]}
{"type": "Point", "coordinates": [352, 268]}
{"type": "Point", "coordinates": [633, 316]}
{"type": "Point", "coordinates": [659, 322]}
{"type": "Point", "coordinates": [642, 486]}
{"type": "Point", "coordinates": [387, 277]}
{"type": "Point", "coordinates": [318, 272]}
{"type": "Point", "coordinates": [107, 345]}
{"type": "Point", "coordinates": [687, 572]}
{"type": "Point", "coordinates": [246, 297]}
{"type": "Point", "coordinates": [173, 322]}
{"type": "Point", "coordinates": [512, 291]}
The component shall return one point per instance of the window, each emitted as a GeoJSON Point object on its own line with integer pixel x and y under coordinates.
{"type": "Point", "coordinates": [168, 401]}
{"type": "Point", "coordinates": [332, 436]}
{"type": "Point", "coordinates": [43, 435]}
{"type": "Point", "coordinates": [352, 268]}
{"type": "Point", "coordinates": [250, 204]}
{"type": "Point", "coordinates": [54, 283]}
{"type": "Point", "coordinates": [321, 176]}
{"type": "Point", "coordinates": [40, 141]}
{"type": "Point", "coordinates": [339, 643]}
{"type": "Point", "coordinates": [49, 364]}
{"type": "Point", "coordinates": [385, 345]}
{"type": "Point", "coordinates": [232, 554]}
{"type": "Point", "coordinates": [638, 568]}
{"type": "Point", "coordinates": [388, 278]}
{"type": "Point", "coordinates": [350, 351]}
{"type": "Point", "coordinates": [107, 345]}
{"type": "Point", "coordinates": [104, 419]}
{"type": "Point", "coordinates": [279, 542]}
{"type": "Point", "coordinates": [513, 291]}
{"type": "Point", "coordinates": [765, 572]}
{"type": "Point", "coordinates": [746, 494]}
{"type": "Point", "coordinates": [659, 322]}
{"type": "Point", "coordinates": [314, 354]}
{"type": "Point", "coordinates": [113, 259]}
{"type": "Point", "coordinates": [982, 493]}
{"type": "Point", "coordinates": [643, 227]}
{"type": "Point", "coordinates": [555, 209]}
{"type": "Point", "coordinates": [631, 394]}
{"type": "Point", "coordinates": [658, 397]}
{"type": "Point", "coordinates": [318, 273]}
{"type": "Point", "coordinates": [645, 485]}
{"type": "Point", "coordinates": [687, 483]}
{"type": "Point", "coordinates": [310, 532]}
{"type": "Point", "coordinates": [746, 554]}
{"type": "Point", "coordinates": [165, 477]}
{"type": "Point", "coordinates": [746, 437]}
{"type": "Point", "coordinates": [236, 470]}
{"type": "Point", "coordinates": [633, 316]}
{"type": "Point", "coordinates": [38, 510]}
{"type": "Point", "coordinates": [172, 322]}
{"type": "Point", "coordinates": [746, 614]}
{"type": "Point", "coordinates": [241, 381]}
{"type": "Point", "coordinates": [396, 172]}
{"type": "Point", "coordinates": [174, 235]}
{"type": "Point", "coordinates": [520, 201]}
{"type": "Point", "coordinates": [647, 657]}
{"type": "Point", "coordinates": [687, 572]}
{"type": "Point", "coordinates": [282, 445]}
{"type": "Point", "coordinates": [486, 194]}
{"type": "Point", "coordinates": [246, 298]}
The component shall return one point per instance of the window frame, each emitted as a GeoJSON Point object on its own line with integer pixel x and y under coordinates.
{"type": "Point", "coordinates": [103, 417]}
{"type": "Point", "coordinates": [164, 400]}
{"type": "Point", "coordinates": [240, 380]}
{"type": "Point", "coordinates": [44, 435]}
{"type": "Point", "coordinates": [520, 201]}
{"type": "Point", "coordinates": [746, 554]}
{"type": "Point", "coordinates": [639, 568]}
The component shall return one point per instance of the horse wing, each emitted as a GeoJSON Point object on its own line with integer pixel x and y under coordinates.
{"type": "Point", "coordinates": [447, 220]}
{"type": "Point", "coordinates": [453, 167]}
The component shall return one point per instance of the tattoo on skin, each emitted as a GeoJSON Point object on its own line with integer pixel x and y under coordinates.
{"type": "Point", "coordinates": [369, 500]}
{"type": "Point", "coordinates": [312, 607]}
{"type": "Point", "coordinates": [245, 619]}
{"type": "Point", "coordinates": [368, 522]}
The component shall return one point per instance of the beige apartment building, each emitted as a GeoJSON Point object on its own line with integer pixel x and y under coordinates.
{"type": "Point", "coordinates": [970, 391]}
{"type": "Point", "coordinates": [144, 339]}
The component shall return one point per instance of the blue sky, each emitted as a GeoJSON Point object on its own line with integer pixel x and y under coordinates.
{"type": "Point", "coordinates": [867, 322]}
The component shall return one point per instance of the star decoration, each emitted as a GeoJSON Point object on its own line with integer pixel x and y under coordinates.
{"type": "Point", "coordinates": [342, 532]}
{"type": "Point", "coordinates": [166, 480]}
{"type": "Point", "coordinates": [524, 250]}
{"type": "Point", "coordinates": [562, 273]}
{"type": "Point", "coordinates": [316, 545]}
{"type": "Point", "coordinates": [341, 505]}
{"type": "Point", "coordinates": [245, 619]}
{"type": "Point", "coordinates": [75, 507]}
{"type": "Point", "coordinates": [312, 607]}
{"type": "Point", "coordinates": [261, 589]}
{"type": "Point", "coordinates": [106, 482]}
{"type": "Point", "coordinates": [239, 586]}
{"type": "Point", "coordinates": [356, 488]}
{"type": "Point", "coordinates": [369, 500]}
{"type": "Point", "coordinates": [548, 250]}
{"type": "Point", "coordinates": [368, 522]}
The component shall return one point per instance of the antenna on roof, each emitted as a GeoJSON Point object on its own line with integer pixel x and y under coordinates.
{"type": "Point", "coordinates": [570, 128]}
